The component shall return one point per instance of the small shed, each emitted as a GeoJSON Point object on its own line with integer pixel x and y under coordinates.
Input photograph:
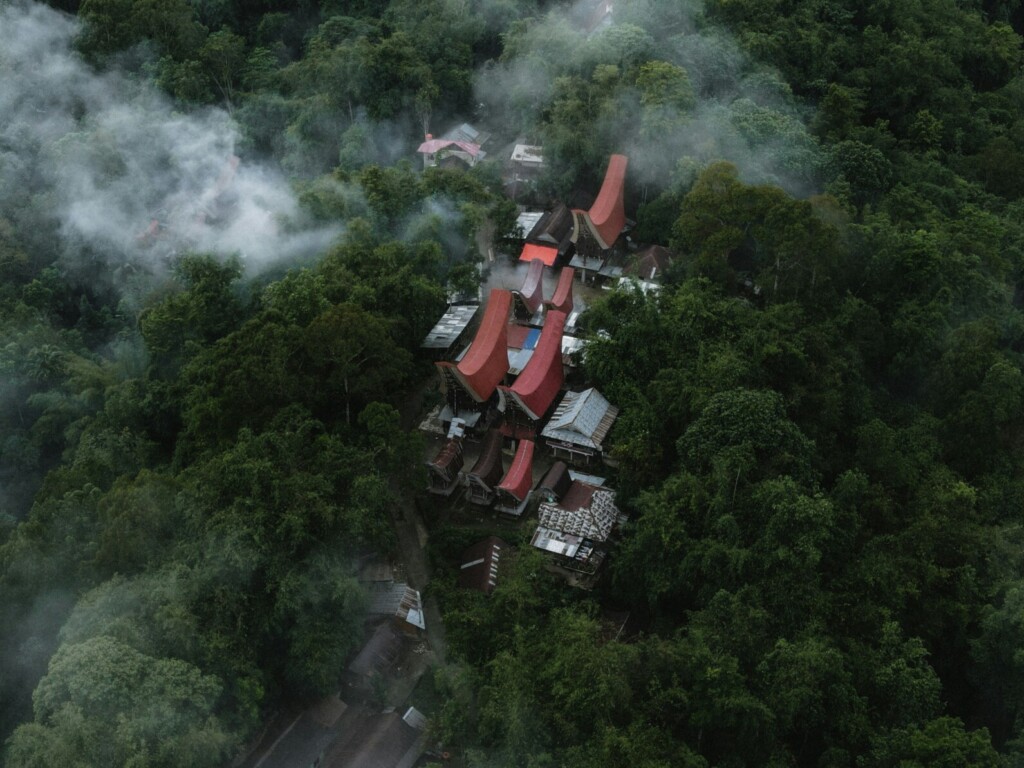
{"type": "Point", "coordinates": [527, 162]}
{"type": "Point", "coordinates": [403, 605]}
{"type": "Point", "coordinates": [479, 569]}
{"type": "Point", "coordinates": [649, 264]}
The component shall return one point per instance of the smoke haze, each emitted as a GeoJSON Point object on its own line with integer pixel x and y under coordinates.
{"type": "Point", "coordinates": [743, 113]}
{"type": "Point", "coordinates": [127, 176]}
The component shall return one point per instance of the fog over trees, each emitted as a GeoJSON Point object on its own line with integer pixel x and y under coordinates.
{"type": "Point", "coordinates": [220, 252]}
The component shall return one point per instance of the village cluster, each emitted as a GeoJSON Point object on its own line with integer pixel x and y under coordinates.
{"type": "Point", "coordinates": [507, 390]}
{"type": "Point", "coordinates": [518, 433]}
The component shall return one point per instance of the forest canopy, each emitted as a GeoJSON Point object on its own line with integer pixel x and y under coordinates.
{"type": "Point", "coordinates": [219, 254]}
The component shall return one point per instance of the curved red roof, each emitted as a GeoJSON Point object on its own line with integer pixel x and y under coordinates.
{"type": "Point", "coordinates": [607, 216]}
{"type": "Point", "coordinates": [532, 292]}
{"type": "Point", "coordinates": [562, 300]}
{"type": "Point", "coordinates": [486, 362]}
{"type": "Point", "coordinates": [535, 389]}
{"type": "Point", "coordinates": [519, 479]}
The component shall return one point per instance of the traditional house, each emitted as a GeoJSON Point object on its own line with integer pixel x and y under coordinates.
{"type": "Point", "coordinates": [532, 394]}
{"type": "Point", "coordinates": [596, 230]}
{"type": "Point", "coordinates": [443, 470]}
{"type": "Point", "coordinates": [575, 530]}
{"type": "Point", "coordinates": [482, 480]}
{"type": "Point", "coordinates": [514, 489]}
{"type": "Point", "coordinates": [531, 295]}
{"type": "Point", "coordinates": [472, 380]}
{"type": "Point", "coordinates": [479, 569]}
{"type": "Point", "coordinates": [579, 425]}
{"type": "Point", "coordinates": [562, 299]}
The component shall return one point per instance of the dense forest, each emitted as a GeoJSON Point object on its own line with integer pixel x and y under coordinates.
{"type": "Point", "coordinates": [219, 255]}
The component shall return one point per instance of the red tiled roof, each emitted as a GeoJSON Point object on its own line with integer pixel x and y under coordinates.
{"type": "Point", "coordinates": [532, 292]}
{"type": "Point", "coordinates": [486, 363]}
{"type": "Point", "coordinates": [519, 479]}
{"type": "Point", "coordinates": [532, 252]}
{"type": "Point", "coordinates": [562, 300]}
{"type": "Point", "coordinates": [535, 389]}
{"type": "Point", "coordinates": [607, 216]}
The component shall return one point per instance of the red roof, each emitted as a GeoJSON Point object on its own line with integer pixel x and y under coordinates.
{"type": "Point", "coordinates": [535, 389]}
{"type": "Point", "coordinates": [532, 292]}
{"type": "Point", "coordinates": [562, 300]}
{"type": "Point", "coordinates": [486, 362]}
{"type": "Point", "coordinates": [488, 468]}
{"type": "Point", "coordinates": [546, 254]}
{"type": "Point", "coordinates": [607, 216]}
{"type": "Point", "coordinates": [519, 479]}
{"type": "Point", "coordinates": [436, 145]}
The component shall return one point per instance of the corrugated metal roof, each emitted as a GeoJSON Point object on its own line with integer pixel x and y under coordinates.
{"type": "Point", "coordinates": [451, 325]}
{"type": "Point", "coordinates": [527, 220]}
{"type": "Point", "coordinates": [582, 418]}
